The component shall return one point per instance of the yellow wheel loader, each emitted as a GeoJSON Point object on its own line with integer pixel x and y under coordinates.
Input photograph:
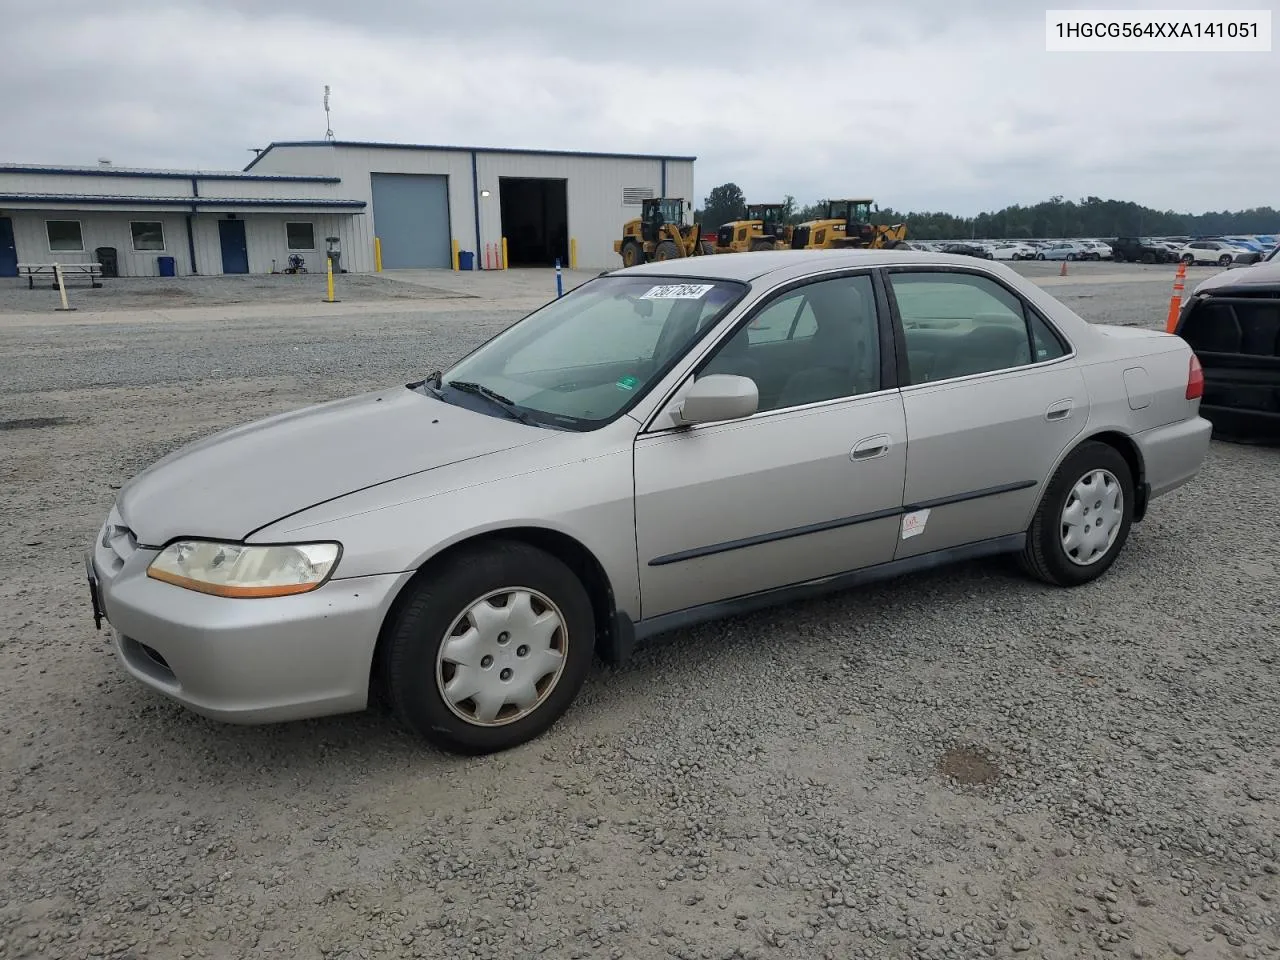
{"type": "Point", "coordinates": [660, 233]}
{"type": "Point", "coordinates": [847, 223]}
{"type": "Point", "coordinates": [763, 229]}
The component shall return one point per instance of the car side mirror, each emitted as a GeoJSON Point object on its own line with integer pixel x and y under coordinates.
{"type": "Point", "coordinates": [718, 396]}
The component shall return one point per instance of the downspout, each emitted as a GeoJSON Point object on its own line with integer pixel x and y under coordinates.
{"type": "Point", "coordinates": [475, 197]}
{"type": "Point", "coordinates": [191, 237]}
{"type": "Point", "coordinates": [664, 177]}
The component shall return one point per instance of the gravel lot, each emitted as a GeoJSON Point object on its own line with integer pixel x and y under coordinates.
{"type": "Point", "coordinates": [960, 764]}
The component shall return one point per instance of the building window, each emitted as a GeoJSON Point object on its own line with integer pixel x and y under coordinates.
{"type": "Point", "coordinates": [301, 235]}
{"type": "Point", "coordinates": [64, 236]}
{"type": "Point", "coordinates": [635, 196]}
{"type": "Point", "coordinates": [147, 234]}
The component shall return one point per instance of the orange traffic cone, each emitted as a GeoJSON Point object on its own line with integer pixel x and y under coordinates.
{"type": "Point", "coordinates": [1175, 302]}
{"type": "Point", "coordinates": [1063, 271]}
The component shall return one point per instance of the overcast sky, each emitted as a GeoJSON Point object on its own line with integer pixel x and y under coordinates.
{"type": "Point", "coordinates": [923, 104]}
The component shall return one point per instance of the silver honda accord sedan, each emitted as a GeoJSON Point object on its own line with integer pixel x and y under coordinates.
{"type": "Point", "coordinates": [663, 445]}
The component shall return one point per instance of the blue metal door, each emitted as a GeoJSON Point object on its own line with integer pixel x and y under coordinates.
{"type": "Point", "coordinates": [411, 219]}
{"type": "Point", "coordinates": [235, 249]}
{"type": "Point", "coordinates": [8, 250]}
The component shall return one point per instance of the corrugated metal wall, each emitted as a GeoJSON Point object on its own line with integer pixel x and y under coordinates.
{"type": "Point", "coordinates": [264, 232]}
{"type": "Point", "coordinates": [100, 229]}
{"type": "Point", "coordinates": [268, 246]}
{"type": "Point", "coordinates": [595, 186]}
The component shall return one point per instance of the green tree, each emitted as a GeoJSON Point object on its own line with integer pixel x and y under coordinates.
{"type": "Point", "coordinates": [723, 204]}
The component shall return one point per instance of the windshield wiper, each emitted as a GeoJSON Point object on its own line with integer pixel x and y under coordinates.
{"type": "Point", "coordinates": [497, 399]}
{"type": "Point", "coordinates": [433, 383]}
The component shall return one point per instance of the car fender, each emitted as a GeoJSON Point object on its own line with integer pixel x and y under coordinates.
{"type": "Point", "coordinates": [581, 487]}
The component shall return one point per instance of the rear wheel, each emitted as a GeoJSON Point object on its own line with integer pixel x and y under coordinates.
{"type": "Point", "coordinates": [1083, 518]}
{"type": "Point", "coordinates": [1188, 259]}
{"type": "Point", "coordinates": [1039, 256]}
{"type": "Point", "coordinates": [757, 245]}
{"type": "Point", "coordinates": [1148, 257]}
{"type": "Point", "coordinates": [666, 250]}
{"type": "Point", "coordinates": [632, 254]}
{"type": "Point", "coordinates": [1071, 256]}
{"type": "Point", "coordinates": [488, 651]}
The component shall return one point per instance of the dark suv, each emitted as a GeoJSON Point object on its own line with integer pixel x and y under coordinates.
{"type": "Point", "coordinates": [1137, 250]}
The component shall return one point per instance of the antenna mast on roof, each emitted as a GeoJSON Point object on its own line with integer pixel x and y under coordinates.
{"type": "Point", "coordinates": [328, 126]}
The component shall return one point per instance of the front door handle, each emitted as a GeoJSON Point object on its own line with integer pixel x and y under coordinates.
{"type": "Point", "coordinates": [870, 448]}
{"type": "Point", "coordinates": [1059, 411]}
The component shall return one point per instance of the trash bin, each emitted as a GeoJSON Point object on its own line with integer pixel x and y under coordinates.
{"type": "Point", "coordinates": [110, 261]}
{"type": "Point", "coordinates": [167, 266]}
{"type": "Point", "coordinates": [466, 260]}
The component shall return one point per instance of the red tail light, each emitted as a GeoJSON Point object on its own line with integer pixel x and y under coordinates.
{"type": "Point", "coordinates": [1195, 379]}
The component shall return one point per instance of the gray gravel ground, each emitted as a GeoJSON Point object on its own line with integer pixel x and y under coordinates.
{"type": "Point", "coordinates": [156, 293]}
{"type": "Point", "coordinates": [963, 764]}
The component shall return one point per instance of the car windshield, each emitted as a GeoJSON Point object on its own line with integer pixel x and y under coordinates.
{"type": "Point", "coordinates": [586, 358]}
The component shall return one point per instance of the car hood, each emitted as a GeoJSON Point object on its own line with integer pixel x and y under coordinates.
{"type": "Point", "coordinates": [1260, 274]}
{"type": "Point", "coordinates": [230, 484]}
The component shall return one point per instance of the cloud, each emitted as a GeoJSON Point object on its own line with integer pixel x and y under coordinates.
{"type": "Point", "coordinates": [926, 105]}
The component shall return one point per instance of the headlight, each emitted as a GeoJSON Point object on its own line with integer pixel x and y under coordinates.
{"type": "Point", "coordinates": [240, 570]}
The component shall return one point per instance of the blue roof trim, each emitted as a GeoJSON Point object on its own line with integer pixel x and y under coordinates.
{"type": "Point", "coordinates": [163, 174]}
{"type": "Point", "coordinates": [191, 202]}
{"type": "Point", "coordinates": [448, 149]}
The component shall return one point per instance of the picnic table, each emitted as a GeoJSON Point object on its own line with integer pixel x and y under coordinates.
{"type": "Point", "coordinates": [32, 270]}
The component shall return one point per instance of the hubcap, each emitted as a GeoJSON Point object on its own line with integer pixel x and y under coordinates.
{"type": "Point", "coordinates": [502, 657]}
{"type": "Point", "coordinates": [1092, 516]}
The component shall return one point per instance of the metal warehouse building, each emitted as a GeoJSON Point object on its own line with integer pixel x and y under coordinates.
{"type": "Point", "coordinates": [421, 199]}
{"type": "Point", "coordinates": [189, 221]}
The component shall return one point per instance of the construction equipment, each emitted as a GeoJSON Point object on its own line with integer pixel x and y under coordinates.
{"type": "Point", "coordinates": [762, 229]}
{"type": "Point", "coordinates": [660, 233]}
{"type": "Point", "coordinates": [847, 223]}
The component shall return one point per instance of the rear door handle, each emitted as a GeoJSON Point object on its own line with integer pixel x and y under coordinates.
{"type": "Point", "coordinates": [870, 448]}
{"type": "Point", "coordinates": [1059, 411]}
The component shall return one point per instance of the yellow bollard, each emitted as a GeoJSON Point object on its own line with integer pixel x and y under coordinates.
{"type": "Point", "coordinates": [504, 253]}
{"type": "Point", "coordinates": [377, 254]}
{"type": "Point", "coordinates": [573, 253]}
{"type": "Point", "coordinates": [455, 255]}
{"type": "Point", "coordinates": [328, 261]}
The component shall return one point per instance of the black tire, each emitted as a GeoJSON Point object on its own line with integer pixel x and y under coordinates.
{"type": "Point", "coordinates": [1039, 256]}
{"type": "Point", "coordinates": [442, 594]}
{"type": "Point", "coordinates": [1188, 259]}
{"type": "Point", "coordinates": [666, 250]}
{"type": "Point", "coordinates": [1224, 260]}
{"type": "Point", "coordinates": [632, 254]}
{"type": "Point", "coordinates": [757, 245]}
{"type": "Point", "coordinates": [1148, 257]}
{"type": "Point", "coordinates": [1044, 556]}
{"type": "Point", "coordinates": [1071, 257]}
{"type": "Point", "coordinates": [1119, 258]}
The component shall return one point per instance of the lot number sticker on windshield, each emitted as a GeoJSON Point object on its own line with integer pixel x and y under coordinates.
{"type": "Point", "coordinates": [678, 291]}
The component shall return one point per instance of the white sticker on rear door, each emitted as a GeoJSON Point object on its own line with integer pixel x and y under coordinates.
{"type": "Point", "coordinates": [678, 291]}
{"type": "Point", "coordinates": [913, 523]}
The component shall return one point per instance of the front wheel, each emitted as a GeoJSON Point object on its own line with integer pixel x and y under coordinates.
{"type": "Point", "coordinates": [1224, 260]}
{"type": "Point", "coordinates": [1071, 256]}
{"type": "Point", "coordinates": [758, 245]}
{"type": "Point", "coordinates": [489, 649]}
{"type": "Point", "coordinates": [1039, 256]}
{"type": "Point", "coordinates": [1188, 259]}
{"type": "Point", "coordinates": [632, 254]}
{"type": "Point", "coordinates": [1083, 519]}
{"type": "Point", "coordinates": [666, 250]}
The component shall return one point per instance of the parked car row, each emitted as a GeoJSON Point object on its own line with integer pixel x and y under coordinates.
{"type": "Point", "coordinates": [1222, 251]}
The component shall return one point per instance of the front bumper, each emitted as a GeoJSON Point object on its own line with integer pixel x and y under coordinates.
{"type": "Point", "coordinates": [244, 661]}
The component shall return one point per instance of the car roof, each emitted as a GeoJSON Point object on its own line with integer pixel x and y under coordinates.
{"type": "Point", "coordinates": [753, 266]}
